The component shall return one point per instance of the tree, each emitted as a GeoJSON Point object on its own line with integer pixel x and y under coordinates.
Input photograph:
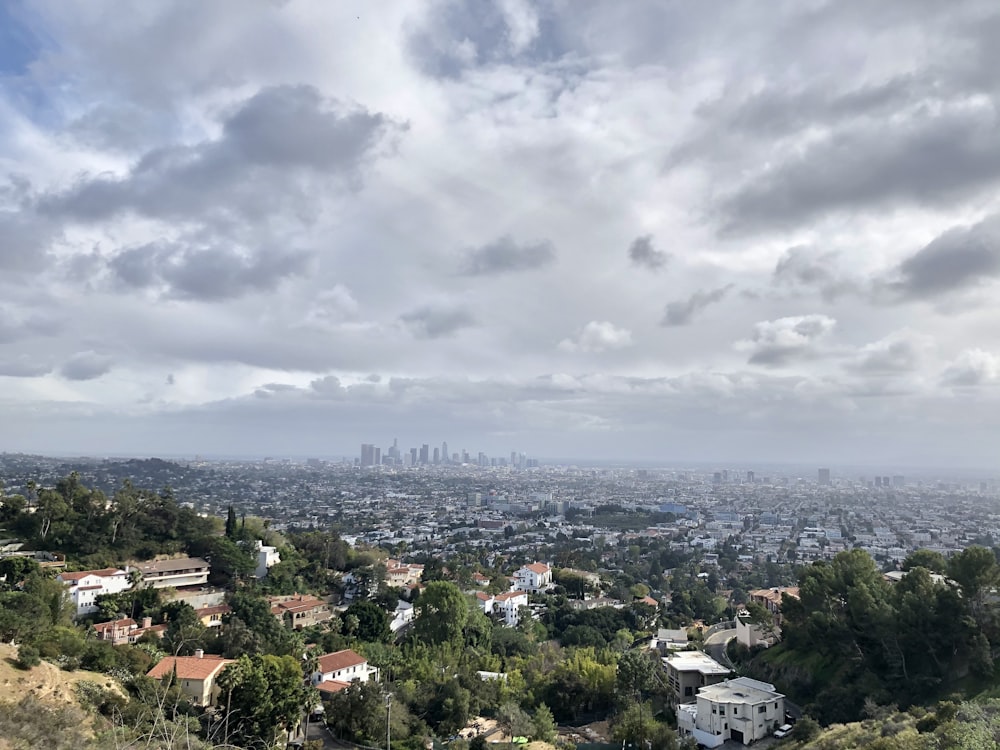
{"type": "Point", "coordinates": [637, 727]}
{"type": "Point", "coordinates": [513, 720]}
{"type": "Point", "coordinates": [263, 694]}
{"type": "Point", "coordinates": [231, 523]}
{"type": "Point", "coordinates": [373, 623]}
{"type": "Point", "coordinates": [926, 558]}
{"type": "Point", "coordinates": [636, 673]}
{"type": "Point", "coordinates": [441, 614]}
{"type": "Point", "coordinates": [543, 724]}
{"type": "Point", "coordinates": [185, 632]}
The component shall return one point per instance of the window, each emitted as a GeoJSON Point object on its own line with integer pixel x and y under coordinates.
{"type": "Point", "coordinates": [761, 709]}
{"type": "Point", "coordinates": [687, 690]}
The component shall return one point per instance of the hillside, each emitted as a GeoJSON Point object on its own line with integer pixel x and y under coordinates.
{"type": "Point", "coordinates": [39, 706]}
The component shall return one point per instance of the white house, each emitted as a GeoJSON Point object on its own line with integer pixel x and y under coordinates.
{"type": "Point", "coordinates": [86, 585]}
{"type": "Point", "coordinates": [744, 710]}
{"type": "Point", "coordinates": [534, 577]}
{"type": "Point", "coordinates": [506, 604]}
{"type": "Point", "coordinates": [181, 571]}
{"type": "Point", "coordinates": [402, 617]}
{"type": "Point", "coordinates": [343, 667]}
{"type": "Point", "coordinates": [267, 557]}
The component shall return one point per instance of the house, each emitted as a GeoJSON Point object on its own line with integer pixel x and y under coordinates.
{"type": "Point", "coordinates": [670, 640]}
{"type": "Point", "coordinates": [480, 581]}
{"type": "Point", "coordinates": [751, 633]}
{"type": "Point", "coordinates": [195, 675]}
{"type": "Point", "coordinates": [300, 610]}
{"type": "Point", "coordinates": [534, 577]}
{"type": "Point", "coordinates": [127, 630]}
{"type": "Point", "coordinates": [342, 667]}
{"type": "Point", "coordinates": [402, 616]}
{"type": "Point", "coordinates": [267, 558]}
{"type": "Point", "coordinates": [402, 574]}
{"type": "Point", "coordinates": [211, 617]}
{"type": "Point", "coordinates": [770, 599]}
{"type": "Point", "coordinates": [86, 585]}
{"type": "Point", "coordinates": [743, 710]}
{"type": "Point", "coordinates": [506, 605]}
{"type": "Point", "coordinates": [688, 671]}
{"type": "Point", "coordinates": [181, 571]}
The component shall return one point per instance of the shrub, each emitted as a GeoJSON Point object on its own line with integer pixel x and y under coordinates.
{"type": "Point", "coordinates": [28, 657]}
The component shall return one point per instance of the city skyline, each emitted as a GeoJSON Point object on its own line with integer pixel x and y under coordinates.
{"type": "Point", "coordinates": [642, 231]}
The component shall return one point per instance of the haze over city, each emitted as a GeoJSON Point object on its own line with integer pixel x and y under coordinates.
{"type": "Point", "coordinates": [623, 231]}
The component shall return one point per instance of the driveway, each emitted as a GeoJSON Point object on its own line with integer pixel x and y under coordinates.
{"type": "Point", "coordinates": [715, 645]}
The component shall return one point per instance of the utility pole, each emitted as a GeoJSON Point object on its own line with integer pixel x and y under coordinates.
{"type": "Point", "coordinates": [388, 703]}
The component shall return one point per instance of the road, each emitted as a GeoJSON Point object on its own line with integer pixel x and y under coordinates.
{"type": "Point", "coordinates": [715, 645]}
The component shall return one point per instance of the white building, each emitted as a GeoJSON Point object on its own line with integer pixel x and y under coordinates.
{"type": "Point", "coordinates": [86, 585]}
{"type": "Point", "coordinates": [506, 604]}
{"type": "Point", "coordinates": [343, 667]}
{"type": "Point", "coordinates": [534, 577]}
{"type": "Point", "coordinates": [402, 617]}
{"type": "Point", "coordinates": [181, 571]}
{"type": "Point", "coordinates": [267, 557]}
{"type": "Point", "coordinates": [744, 710]}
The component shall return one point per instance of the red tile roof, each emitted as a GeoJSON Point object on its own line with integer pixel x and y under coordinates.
{"type": "Point", "coordinates": [80, 574]}
{"type": "Point", "coordinates": [539, 568]}
{"type": "Point", "coordinates": [340, 660]}
{"type": "Point", "coordinates": [332, 686]}
{"type": "Point", "coordinates": [189, 667]}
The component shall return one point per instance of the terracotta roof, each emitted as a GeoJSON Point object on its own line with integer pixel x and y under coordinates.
{"type": "Point", "coordinates": [510, 595]}
{"type": "Point", "coordinates": [115, 625]}
{"type": "Point", "coordinates": [650, 601]}
{"type": "Point", "coordinates": [539, 568]}
{"type": "Point", "coordinates": [103, 573]}
{"type": "Point", "coordinates": [219, 609]}
{"type": "Point", "coordinates": [189, 667]}
{"type": "Point", "coordinates": [482, 597]}
{"type": "Point", "coordinates": [332, 686]}
{"type": "Point", "coordinates": [774, 595]}
{"type": "Point", "coordinates": [340, 660]}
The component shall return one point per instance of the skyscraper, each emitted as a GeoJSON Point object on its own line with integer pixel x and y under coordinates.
{"type": "Point", "coordinates": [444, 452]}
{"type": "Point", "coordinates": [437, 455]}
{"type": "Point", "coordinates": [367, 454]}
{"type": "Point", "coordinates": [824, 476]}
{"type": "Point", "coordinates": [425, 453]}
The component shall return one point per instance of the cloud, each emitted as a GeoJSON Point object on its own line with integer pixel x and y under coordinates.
{"type": "Point", "coordinates": [900, 352]}
{"type": "Point", "coordinates": [934, 156]}
{"type": "Point", "coordinates": [973, 367]}
{"type": "Point", "coordinates": [437, 322]}
{"type": "Point", "coordinates": [17, 324]}
{"type": "Point", "coordinates": [268, 142]}
{"type": "Point", "coordinates": [775, 343]}
{"type": "Point", "coordinates": [23, 366]}
{"type": "Point", "coordinates": [87, 365]}
{"type": "Point", "coordinates": [597, 336]}
{"type": "Point", "coordinates": [205, 273]}
{"type": "Point", "coordinates": [504, 255]}
{"type": "Point", "coordinates": [959, 259]}
{"type": "Point", "coordinates": [682, 312]}
{"type": "Point", "coordinates": [643, 254]}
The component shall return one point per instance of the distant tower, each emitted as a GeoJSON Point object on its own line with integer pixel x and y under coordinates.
{"type": "Point", "coordinates": [824, 476]}
{"type": "Point", "coordinates": [444, 452]}
{"type": "Point", "coordinates": [425, 453]}
{"type": "Point", "coordinates": [413, 456]}
{"type": "Point", "coordinates": [437, 455]}
{"type": "Point", "coordinates": [367, 454]}
{"type": "Point", "coordinates": [750, 477]}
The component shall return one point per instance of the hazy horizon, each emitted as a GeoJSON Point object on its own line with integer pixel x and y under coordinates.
{"type": "Point", "coordinates": [623, 230]}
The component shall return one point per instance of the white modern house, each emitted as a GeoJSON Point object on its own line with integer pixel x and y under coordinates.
{"type": "Point", "coordinates": [181, 571]}
{"type": "Point", "coordinates": [506, 604]}
{"type": "Point", "coordinates": [402, 616]}
{"type": "Point", "coordinates": [86, 585]}
{"type": "Point", "coordinates": [534, 577]}
{"type": "Point", "coordinates": [743, 710]}
{"type": "Point", "coordinates": [267, 557]}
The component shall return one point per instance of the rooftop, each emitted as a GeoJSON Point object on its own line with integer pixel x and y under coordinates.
{"type": "Point", "coordinates": [695, 661]}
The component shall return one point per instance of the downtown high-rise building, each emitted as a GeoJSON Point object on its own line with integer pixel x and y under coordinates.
{"type": "Point", "coordinates": [425, 454]}
{"type": "Point", "coordinates": [824, 476]}
{"type": "Point", "coordinates": [367, 454]}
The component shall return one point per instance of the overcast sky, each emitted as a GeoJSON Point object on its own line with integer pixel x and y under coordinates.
{"type": "Point", "coordinates": [718, 231]}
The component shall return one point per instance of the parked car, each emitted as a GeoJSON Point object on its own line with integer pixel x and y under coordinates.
{"type": "Point", "coordinates": [783, 731]}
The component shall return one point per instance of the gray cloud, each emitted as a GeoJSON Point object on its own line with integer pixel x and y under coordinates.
{"type": "Point", "coordinates": [205, 273]}
{"type": "Point", "coordinates": [437, 322]}
{"type": "Point", "coordinates": [642, 253]}
{"type": "Point", "coordinates": [775, 343]}
{"type": "Point", "coordinates": [87, 365]}
{"type": "Point", "coordinates": [959, 259]}
{"type": "Point", "coordinates": [275, 136]}
{"type": "Point", "coordinates": [972, 368]}
{"type": "Point", "coordinates": [23, 366]}
{"type": "Point", "coordinates": [682, 312]}
{"type": "Point", "coordinates": [901, 352]}
{"type": "Point", "coordinates": [801, 266]}
{"type": "Point", "coordinates": [504, 255]}
{"type": "Point", "coordinates": [930, 157]}
{"type": "Point", "coordinates": [455, 36]}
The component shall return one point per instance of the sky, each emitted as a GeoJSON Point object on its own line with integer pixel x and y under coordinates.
{"type": "Point", "coordinates": [713, 231]}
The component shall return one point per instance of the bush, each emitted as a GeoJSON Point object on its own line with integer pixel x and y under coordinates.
{"type": "Point", "coordinates": [28, 657]}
